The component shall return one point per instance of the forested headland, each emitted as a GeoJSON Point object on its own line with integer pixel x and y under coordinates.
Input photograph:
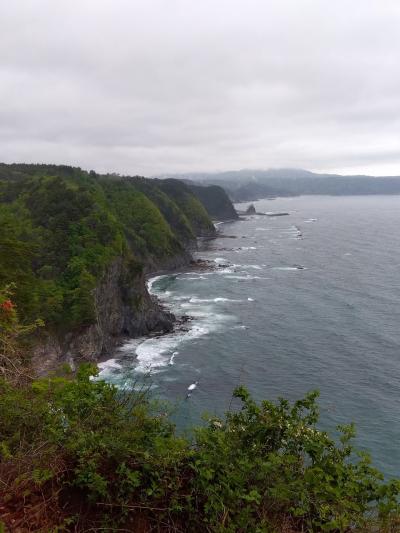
{"type": "Point", "coordinates": [77, 247]}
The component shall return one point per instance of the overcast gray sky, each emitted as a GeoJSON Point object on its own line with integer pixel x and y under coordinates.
{"type": "Point", "coordinates": [154, 86]}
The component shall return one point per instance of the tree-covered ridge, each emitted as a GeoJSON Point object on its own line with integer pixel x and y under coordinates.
{"type": "Point", "coordinates": [62, 227]}
{"type": "Point", "coordinates": [168, 206]}
{"type": "Point", "coordinates": [215, 200]}
{"type": "Point", "coordinates": [189, 204]}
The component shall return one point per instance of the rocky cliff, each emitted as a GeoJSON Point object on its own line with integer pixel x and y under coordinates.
{"type": "Point", "coordinates": [123, 308]}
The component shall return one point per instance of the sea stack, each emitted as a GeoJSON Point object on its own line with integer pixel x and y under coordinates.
{"type": "Point", "coordinates": [251, 210]}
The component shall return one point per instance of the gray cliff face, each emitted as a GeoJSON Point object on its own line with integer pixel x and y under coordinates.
{"type": "Point", "coordinates": [123, 309]}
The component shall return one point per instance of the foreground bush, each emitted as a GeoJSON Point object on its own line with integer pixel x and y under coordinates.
{"type": "Point", "coordinates": [76, 455]}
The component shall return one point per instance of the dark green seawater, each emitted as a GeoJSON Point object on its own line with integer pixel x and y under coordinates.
{"type": "Point", "coordinates": [310, 300]}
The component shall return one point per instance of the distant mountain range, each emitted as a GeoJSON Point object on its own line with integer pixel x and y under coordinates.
{"type": "Point", "coordinates": [248, 184]}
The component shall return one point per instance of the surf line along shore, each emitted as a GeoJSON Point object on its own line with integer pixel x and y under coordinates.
{"type": "Point", "coordinates": [155, 352]}
{"type": "Point", "coordinates": [158, 350]}
{"type": "Point", "coordinates": [149, 354]}
{"type": "Point", "coordinates": [195, 266]}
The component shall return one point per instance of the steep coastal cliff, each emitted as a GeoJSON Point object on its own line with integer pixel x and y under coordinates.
{"type": "Point", "coordinates": [122, 308]}
{"type": "Point", "coordinates": [215, 200]}
{"type": "Point", "coordinates": [78, 247]}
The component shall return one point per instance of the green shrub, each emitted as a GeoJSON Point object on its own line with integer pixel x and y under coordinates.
{"type": "Point", "coordinates": [269, 460]}
{"type": "Point", "coordinates": [260, 468]}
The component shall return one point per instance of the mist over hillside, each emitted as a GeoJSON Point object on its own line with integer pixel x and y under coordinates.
{"type": "Point", "coordinates": [252, 184]}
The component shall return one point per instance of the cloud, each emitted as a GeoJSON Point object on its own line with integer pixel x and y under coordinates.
{"type": "Point", "coordinates": [150, 86]}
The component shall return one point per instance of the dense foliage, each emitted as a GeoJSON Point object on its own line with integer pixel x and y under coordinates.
{"type": "Point", "coordinates": [13, 363]}
{"type": "Point", "coordinates": [62, 227]}
{"type": "Point", "coordinates": [215, 200]}
{"type": "Point", "coordinates": [77, 454]}
{"type": "Point", "coordinates": [189, 204]}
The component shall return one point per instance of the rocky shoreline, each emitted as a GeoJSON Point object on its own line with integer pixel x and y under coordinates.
{"type": "Point", "coordinates": [123, 312]}
{"type": "Point", "coordinates": [176, 324]}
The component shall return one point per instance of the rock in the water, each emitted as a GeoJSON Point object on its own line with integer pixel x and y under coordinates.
{"type": "Point", "coordinates": [251, 210]}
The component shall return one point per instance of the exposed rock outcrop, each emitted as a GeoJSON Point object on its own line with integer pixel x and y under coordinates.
{"type": "Point", "coordinates": [251, 210]}
{"type": "Point", "coordinates": [124, 309]}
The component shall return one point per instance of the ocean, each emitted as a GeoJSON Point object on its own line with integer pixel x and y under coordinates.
{"type": "Point", "coordinates": [295, 303]}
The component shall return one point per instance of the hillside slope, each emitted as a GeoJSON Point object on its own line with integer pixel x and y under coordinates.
{"type": "Point", "coordinates": [215, 200]}
{"type": "Point", "coordinates": [78, 246]}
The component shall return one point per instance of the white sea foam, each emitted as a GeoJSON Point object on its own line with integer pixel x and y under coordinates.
{"type": "Point", "coordinates": [154, 354]}
{"type": "Point", "coordinates": [245, 248]}
{"type": "Point", "coordinates": [216, 300]}
{"type": "Point", "coordinates": [151, 281]}
{"type": "Point", "coordinates": [288, 268]}
{"type": "Point", "coordinates": [192, 276]}
{"type": "Point", "coordinates": [255, 267]}
{"type": "Point", "coordinates": [171, 361]}
{"type": "Point", "coordinates": [195, 300]}
{"type": "Point", "coordinates": [110, 363]}
{"type": "Point", "coordinates": [228, 270]}
{"type": "Point", "coordinates": [200, 274]}
{"type": "Point", "coordinates": [107, 368]}
{"type": "Point", "coordinates": [246, 277]}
